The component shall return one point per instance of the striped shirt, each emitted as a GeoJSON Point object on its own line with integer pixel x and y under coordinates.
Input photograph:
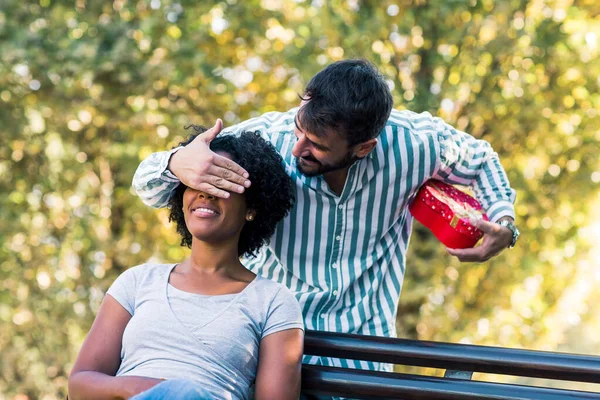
{"type": "Point", "coordinates": [344, 256]}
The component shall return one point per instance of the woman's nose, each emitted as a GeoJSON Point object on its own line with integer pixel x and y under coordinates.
{"type": "Point", "coordinates": [205, 195]}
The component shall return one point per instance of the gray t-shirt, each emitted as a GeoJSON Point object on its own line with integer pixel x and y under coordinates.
{"type": "Point", "coordinates": [211, 340]}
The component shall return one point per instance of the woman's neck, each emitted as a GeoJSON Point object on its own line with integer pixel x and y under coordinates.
{"type": "Point", "coordinates": [208, 258]}
{"type": "Point", "coordinates": [211, 270]}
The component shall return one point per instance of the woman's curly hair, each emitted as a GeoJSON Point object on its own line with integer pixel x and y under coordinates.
{"type": "Point", "coordinates": [271, 194]}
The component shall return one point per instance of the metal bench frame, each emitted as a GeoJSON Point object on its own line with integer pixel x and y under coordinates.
{"type": "Point", "coordinates": [459, 360]}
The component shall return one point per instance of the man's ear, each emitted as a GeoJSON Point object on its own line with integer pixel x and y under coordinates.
{"type": "Point", "coordinates": [363, 149]}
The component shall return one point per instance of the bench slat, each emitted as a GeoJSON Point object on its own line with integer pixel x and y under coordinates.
{"type": "Point", "coordinates": [496, 360]}
{"type": "Point", "coordinates": [360, 384]}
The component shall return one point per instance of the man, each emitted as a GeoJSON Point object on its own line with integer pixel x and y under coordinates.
{"type": "Point", "coordinates": [356, 165]}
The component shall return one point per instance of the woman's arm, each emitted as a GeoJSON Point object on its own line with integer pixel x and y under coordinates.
{"type": "Point", "coordinates": [279, 366]}
{"type": "Point", "coordinates": [92, 377]}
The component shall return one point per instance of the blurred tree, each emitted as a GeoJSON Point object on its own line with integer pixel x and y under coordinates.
{"type": "Point", "coordinates": [88, 89]}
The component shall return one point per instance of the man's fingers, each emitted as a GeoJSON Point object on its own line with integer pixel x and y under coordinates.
{"type": "Point", "coordinates": [462, 252]}
{"type": "Point", "coordinates": [215, 191]}
{"type": "Point", "coordinates": [493, 242]}
{"type": "Point", "coordinates": [484, 226]}
{"type": "Point", "coordinates": [212, 133]}
{"type": "Point", "coordinates": [226, 163]}
{"type": "Point", "coordinates": [228, 180]}
{"type": "Point", "coordinates": [221, 183]}
{"type": "Point", "coordinates": [468, 255]}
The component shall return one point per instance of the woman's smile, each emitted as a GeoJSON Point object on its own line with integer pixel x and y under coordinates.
{"type": "Point", "coordinates": [204, 211]}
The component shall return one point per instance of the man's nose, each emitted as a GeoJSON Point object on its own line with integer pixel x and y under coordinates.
{"type": "Point", "coordinates": [299, 148]}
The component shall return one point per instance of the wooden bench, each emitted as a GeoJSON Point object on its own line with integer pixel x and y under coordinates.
{"type": "Point", "coordinates": [459, 361]}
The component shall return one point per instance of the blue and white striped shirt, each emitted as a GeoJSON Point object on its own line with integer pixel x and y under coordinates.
{"type": "Point", "coordinates": [344, 256]}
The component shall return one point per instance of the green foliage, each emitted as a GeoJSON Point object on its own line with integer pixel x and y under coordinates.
{"type": "Point", "coordinates": [88, 89]}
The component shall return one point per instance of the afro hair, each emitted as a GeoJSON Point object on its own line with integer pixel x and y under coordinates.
{"type": "Point", "coordinates": [271, 194]}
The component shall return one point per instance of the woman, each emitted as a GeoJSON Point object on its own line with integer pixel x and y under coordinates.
{"type": "Point", "coordinates": [197, 329]}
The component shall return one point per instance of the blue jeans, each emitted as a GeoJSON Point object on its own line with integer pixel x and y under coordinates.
{"type": "Point", "coordinates": [174, 389]}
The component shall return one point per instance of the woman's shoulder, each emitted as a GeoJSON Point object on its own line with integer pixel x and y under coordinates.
{"type": "Point", "coordinates": [279, 305]}
{"type": "Point", "coordinates": [136, 281]}
{"type": "Point", "coordinates": [146, 271]}
{"type": "Point", "coordinates": [273, 290]}
{"type": "Point", "coordinates": [149, 268]}
{"type": "Point", "coordinates": [267, 284]}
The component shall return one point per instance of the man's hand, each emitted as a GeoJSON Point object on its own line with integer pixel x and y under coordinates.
{"type": "Point", "coordinates": [198, 167]}
{"type": "Point", "coordinates": [495, 239]}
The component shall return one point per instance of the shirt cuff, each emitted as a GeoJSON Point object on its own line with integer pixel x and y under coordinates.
{"type": "Point", "coordinates": [501, 209]}
{"type": "Point", "coordinates": [165, 172]}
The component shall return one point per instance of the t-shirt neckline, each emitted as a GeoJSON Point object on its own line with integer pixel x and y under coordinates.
{"type": "Point", "coordinates": [217, 315]}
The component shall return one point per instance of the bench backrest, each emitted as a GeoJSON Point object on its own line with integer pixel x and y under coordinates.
{"type": "Point", "coordinates": [459, 360]}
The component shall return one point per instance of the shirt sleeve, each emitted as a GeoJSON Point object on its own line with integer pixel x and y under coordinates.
{"type": "Point", "coordinates": [124, 289]}
{"type": "Point", "coordinates": [464, 160]}
{"type": "Point", "coordinates": [154, 183]}
{"type": "Point", "coordinates": [268, 125]}
{"type": "Point", "coordinates": [284, 313]}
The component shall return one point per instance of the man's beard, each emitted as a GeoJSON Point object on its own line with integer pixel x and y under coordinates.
{"type": "Point", "coordinates": [321, 169]}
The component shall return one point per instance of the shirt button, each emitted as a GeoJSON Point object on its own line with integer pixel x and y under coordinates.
{"type": "Point", "coordinates": [334, 265]}
{"type": "Point", "coordinates": [322, 315]}
{"type": "Point", "coordinates": [338, 238]}
{"type": "Point", "coordinates": [335, 292]}
{"type": "Point", "coordinates": [341, 206]}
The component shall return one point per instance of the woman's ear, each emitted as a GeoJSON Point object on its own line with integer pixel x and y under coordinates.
{"type": "Point", "coordinates": [250, 215]}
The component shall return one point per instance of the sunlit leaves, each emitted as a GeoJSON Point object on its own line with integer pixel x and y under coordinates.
{"type": "Point", "coordinates": [89, 89]}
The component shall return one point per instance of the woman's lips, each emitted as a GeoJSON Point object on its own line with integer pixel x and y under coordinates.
{"type": "Point", "coordinates": [204, 212]}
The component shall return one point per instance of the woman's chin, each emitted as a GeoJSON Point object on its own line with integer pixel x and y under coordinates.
{"type": "Point", "coordinates": [212, 231]}
{"type": "Point", "coordinates": [205, 235]}
{"type": "Point", "coordinates": [212, 236]}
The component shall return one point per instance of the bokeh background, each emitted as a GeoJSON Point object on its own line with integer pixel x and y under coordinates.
{"type": "Point", "coordinates": [90, 88]}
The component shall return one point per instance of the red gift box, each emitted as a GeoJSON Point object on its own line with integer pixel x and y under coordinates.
{"type": "Point", "coordinates": [446, 211]}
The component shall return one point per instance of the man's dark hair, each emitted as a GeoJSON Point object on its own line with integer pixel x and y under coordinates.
{"type": "Point", "coordinates": [271, 194]}
{"type": "Point", "coordinates": [349, 96]}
